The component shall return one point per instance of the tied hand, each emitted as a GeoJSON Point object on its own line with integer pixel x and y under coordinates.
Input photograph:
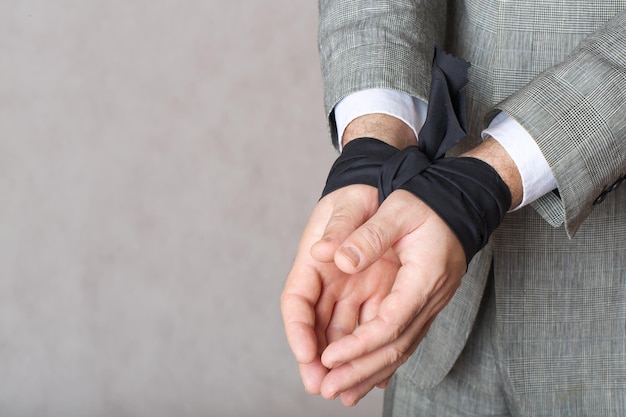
{"type": "Point", "coordinates": [320, 302]}
{"type": "Point", "coordinates": [365, 286]}
{"type": "Point", "coordinates": [369, 280]}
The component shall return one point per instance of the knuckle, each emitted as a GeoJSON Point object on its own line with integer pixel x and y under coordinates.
{"type": "Point", "coordinates": [396, 330]}
{"type": "Point", "coordinates": [397, 355]}
{"type": "Point", "coordinates": [392, 328]}
{"type": "Point", "coordinates": [374, 237]}
{"type": "Point", "coordinates": [362, 344]}
{"type": "Point", "coordinates": [335, 332]}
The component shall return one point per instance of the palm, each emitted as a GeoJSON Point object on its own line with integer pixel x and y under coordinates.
{"type": "Point", "coordinates": [347, 300]}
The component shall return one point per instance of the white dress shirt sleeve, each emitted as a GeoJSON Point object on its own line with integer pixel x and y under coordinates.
{"type": "Point", "coordinates": [410, 110]}
{"type": "Point", "coordinates": [537, 178]}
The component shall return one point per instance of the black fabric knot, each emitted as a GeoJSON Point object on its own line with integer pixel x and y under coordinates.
{"type": "Point", "coordinates": [399, 169]}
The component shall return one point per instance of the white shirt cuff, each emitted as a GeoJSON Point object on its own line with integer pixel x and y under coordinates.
{"type": "Point", "coordinates": [537, 178]}
{"type": "Point", "coordinates": [410, 110]}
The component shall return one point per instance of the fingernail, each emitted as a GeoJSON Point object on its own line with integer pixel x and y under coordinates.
{"type": "Point", "coordinates": [352, 254]}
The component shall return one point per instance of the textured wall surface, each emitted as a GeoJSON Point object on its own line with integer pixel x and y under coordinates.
{"type": "Point", "coordinates": [158, 160]}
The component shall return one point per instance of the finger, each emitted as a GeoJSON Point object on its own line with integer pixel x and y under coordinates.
{"type": "Point", "coordinates": [299, 324]}
{"type": "Point", "coordinates": [362, 369]}
{"type": "Point", "coordinates": [351, 207]}
{"type": "Point", "coordinates": [304, 314]}
{"type": "Point", "coordinates": [343, 321]}
{"type": "Point", "coordinates": [312, 375]}
{"type": "Point", "coordinates": [385, 270]}
{"type": "Point", "coordinates": [408, 296]}
{"type": "Point", "coordinates": [380, 379]}
{"type": "Point", "coordinates": [358, 377]}
{"type": "Point", "coordinates": [369, 310]}
{"type": "Point", "coordinates": [353, 395]}
{"type": "Point", "coordinates": [384, 384]}
{"type": "Point", "coordinates": [397, 216]}
{"type": "Point", "coordinates": [298, 302]}
{"type": "Point", "coordinates": [302, 291]}
{"type": "Point", "coordinates": [323, 314]}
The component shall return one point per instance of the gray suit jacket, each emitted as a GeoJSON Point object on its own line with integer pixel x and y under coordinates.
{"type": "Point", "coordinates": [559, 68]}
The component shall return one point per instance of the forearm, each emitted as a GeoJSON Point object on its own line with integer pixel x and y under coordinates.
{"type": "Point", "coordinates": [491, 152]}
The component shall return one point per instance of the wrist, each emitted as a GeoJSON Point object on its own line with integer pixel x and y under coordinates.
{"type": "Point", "coordinates": [491, 152]}
{"type": "Point", "coordinates": [388, 129]}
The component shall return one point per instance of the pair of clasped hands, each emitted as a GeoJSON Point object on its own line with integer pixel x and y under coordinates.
{"type": "Point", "coordinates": [368, 280]}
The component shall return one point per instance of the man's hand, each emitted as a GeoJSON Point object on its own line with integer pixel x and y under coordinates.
{"type": "Point", "coordinates": [388, 271]}
{"type": "Point", "coordinates": [321, 303]}
{"type": "Point", "coordinates": [431, 265]}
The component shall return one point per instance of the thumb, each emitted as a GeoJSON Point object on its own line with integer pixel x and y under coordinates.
{"type": "Point", "coordinates": [399, 215]}
{"type": "Point", "coordinates": [351, 207]}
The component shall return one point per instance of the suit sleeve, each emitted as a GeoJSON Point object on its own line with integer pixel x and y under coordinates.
{"type": "Point", "coordinates": [377, 44]}
{"type": "Point", "coordinates": [576, 112]}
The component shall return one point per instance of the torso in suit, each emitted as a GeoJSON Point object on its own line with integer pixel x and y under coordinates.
{"type": "Point", "coordinates": [559, 68]}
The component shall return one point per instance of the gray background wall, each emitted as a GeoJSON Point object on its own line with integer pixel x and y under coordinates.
{"type": "Point", "coordinates": [158, 160]}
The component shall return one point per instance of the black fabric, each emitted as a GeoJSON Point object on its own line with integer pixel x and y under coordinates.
{"type": "Point", "coordinates": [359, 163]}
{"type": "Point", "coordinates": [445, 123]}
{"type": "Point", "coordinates": [466, 193]}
